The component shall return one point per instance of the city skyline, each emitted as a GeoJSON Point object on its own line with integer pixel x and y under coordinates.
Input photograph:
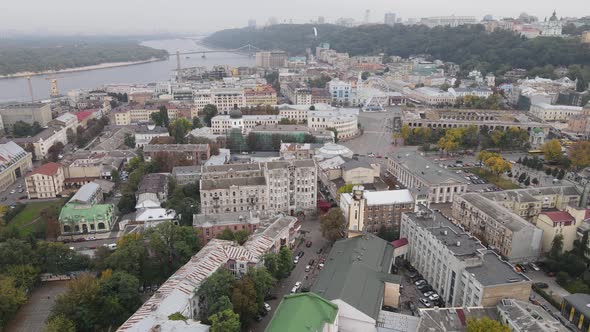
{"type": "Point", "coordinates": [68, 16]}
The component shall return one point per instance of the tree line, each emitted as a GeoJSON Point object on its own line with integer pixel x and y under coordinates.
{"type": "Point", "coordinates": [468, 45]}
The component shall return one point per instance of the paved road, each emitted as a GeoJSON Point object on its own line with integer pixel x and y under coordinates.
{"type": "Point", "coordinates": [32, 315]}
{"type": "Point", "coordinates": [376, 137]}
{"type": "Point", "coordinates": [311, 229]}
{"type": "Point", "coordinates": [554, 288]}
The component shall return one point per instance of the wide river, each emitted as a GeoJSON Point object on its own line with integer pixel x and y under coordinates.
{"type": "Point", "coordinates": [16, 89]}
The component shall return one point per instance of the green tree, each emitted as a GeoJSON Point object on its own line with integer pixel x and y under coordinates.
{"type": "Point", "coordinates": [335, 131]}
{"type": "Point", "coordinates": [347, 188]}
{"type": "Point", "coordinates": [25, 276]}
{"type": "Point", "coordinates": [11, 298]}
{"type": "Point", "coordinates": [333, 225]}
{"type": "Point", "coordinates": [244, 299]}
{"type": "Point", "coordinates": [263, 283]}
{"type": "Point", "coordinates": [486, 324]}
{"type": "Point", "coordinates": [21, 129]}
{"type": "Point", "coordinates": [115, 176]}
{"type": "Point", "coordinates": [197, 123]}
{"type": "Point", "coordinates": [120, 292]}
{"type": "Point", "coordinates": [271, 263]}
{"type": "Point", "coordinates": [55, 151]}
{"type": "Point", "coordinates": [82, 304]}
{"type": "Point", "coordinates": [236, 141]}
{"type": "Point", "coordinates": [221, 304]}
{"type": "Point", "coordinates": [225, 321]}
{"type": "Point", "coordinates": [60, 323]}
{"type": "Point", "coordinates": [226, 234]}
{"type": "Point", "coordinates": [213, 289]}
{"type": "Point", "coordinates": [556, 246]}
{"type": "Point", "coordinates": [71, 135]}
{"type": "Point", "coordinates": [284, 263]}
{"type": "Point", "coordinates": [209, 111]}
{"type": "Point", "coordinates": [552, 150]}
{"type": "Point", "coordinates": [241, 236]}
{"type": "Point", "coordinates": [179, 128]}
{"type": "Point", "coordinates": [126, 203]}
{"type": "Point", "coordinates": [129, 140]}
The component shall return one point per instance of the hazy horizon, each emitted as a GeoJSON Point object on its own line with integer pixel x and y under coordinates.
{"type": "Point", "coordinates": [185, 16]}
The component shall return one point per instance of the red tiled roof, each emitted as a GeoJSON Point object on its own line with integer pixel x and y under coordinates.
{"type": "Point", "coordinates": [48, 169]}
{"type": "Point", "coordinates": [82, 115]}
{"type": "Point", "coordinates": [399, 243]}
{"type": "Point", "coordinates": [559, 216]}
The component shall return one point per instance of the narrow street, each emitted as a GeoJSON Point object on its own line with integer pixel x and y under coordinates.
{"type": "Point", "coordinates": [310, 230]}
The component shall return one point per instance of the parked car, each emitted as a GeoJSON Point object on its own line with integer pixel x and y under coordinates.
{"type": "Point", "coordinates": [425, 302]}
{"type": "Point", "coordinates": [434, 297]}
{"type": "Point", "coordinates": [300, 254]}
{"type": "Point", "coordinates": [534, 266]}
{"type": "Point", "coordinates": [424, 288]}
{"type": "Point", "coordinates": [541, 285]}
{"type": "Point", "coordinates": [551, 274]}
{"type": "Point", "coordinates": [311, 262]}
{"type": "Point", "coordinates": [308, 244]}
{"type": "Point", "coordinates": [267, 307]}
{"type": "Point", "coordinates": [321, 266]}
{"type": "Point", "coordinates": [389, 308]}
{"type": "Point", "coordinates": [307, 268]}
{"type": "Point", "coordinates": [427, 294]}
{"type": "Point", "coordinates": [319, 251]}
{"type": "Point", "coordinates": [420, 282]}
{"type": "Point", "coordinates": [296, 260]}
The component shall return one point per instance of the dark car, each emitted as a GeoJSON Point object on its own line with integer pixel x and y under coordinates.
{"type": "Point", "coordinates": [308, 244]}
{"type": "Point", "coordinates": [541, 285]}
{"type": "Point", "coordinates": [424, 288]}
{"type": "Point", "coordinates": [300, 254]}
{"type": "Point", "coordinates": [319, 251]}
{"type": "Point", "coordinates": [311, 262]}
{"type": "Point", "coordinates": [551, 274]}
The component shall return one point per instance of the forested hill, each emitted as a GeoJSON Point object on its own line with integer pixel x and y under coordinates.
{"type": "Point", "coordinates": [37, 55]}
{"type": "Point", "coordinates": [470, 46]}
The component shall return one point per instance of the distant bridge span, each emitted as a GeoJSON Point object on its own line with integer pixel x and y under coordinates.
{"type": "Point", "coordinates": [244, 49]}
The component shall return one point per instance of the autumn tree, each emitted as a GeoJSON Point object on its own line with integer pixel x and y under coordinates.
{"type": "Point", "coordinates": [244, 299]}
{"type": "Point", "coordinates": [579, 154]}
{"type": "Point", "coordinates": [333, 225]}
{"type": "Point", "coordinates": [451, 141]}
{"type": "Point", "coordinates": [60, 323]}
{"type": "Point", "coordinates": [179, 128]}
{"type": "Point", "coordinates": [486, 324]}
{"type": "Point", "coordinates": [552, 150]}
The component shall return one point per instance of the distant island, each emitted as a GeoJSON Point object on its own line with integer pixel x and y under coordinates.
{"type": "Point", "coordinates": [34, 56]}
{"type": "Point", "coordinates": [469, 46]}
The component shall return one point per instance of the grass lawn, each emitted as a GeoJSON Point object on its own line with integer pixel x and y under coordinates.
{"type": "Point", "coordinates": [498, 180]}
{"type": "Point", "coordinates": [23, 221]}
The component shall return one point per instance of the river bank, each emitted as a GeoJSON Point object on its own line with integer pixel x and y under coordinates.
{"type": "Point", "coordinates": [78, 69]}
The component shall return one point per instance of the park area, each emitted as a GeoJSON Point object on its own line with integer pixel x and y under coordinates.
{"type": "Point", "coordinates": [492, 178]}
{"type": "Point", "coordinates": [28, 221]}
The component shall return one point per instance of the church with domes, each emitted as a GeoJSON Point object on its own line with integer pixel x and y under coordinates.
{"type": "Point", "coordinates": [551, 27]}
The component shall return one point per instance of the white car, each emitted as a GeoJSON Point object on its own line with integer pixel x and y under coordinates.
{"type": "Point", "coordinates": [434, 297]}
{"type": "Point", "coordinates": [293, 290]}
{"type": "Point", "coordinates": [307, 268]}
{"type": "Point", "coordinates": [296, 260]}
{"type": "Point", "coordinates": [267, 307]}
{"type": "Point", "coordinates": [425, 302]}
{"type": "Point", "coordinates": [298, 284]}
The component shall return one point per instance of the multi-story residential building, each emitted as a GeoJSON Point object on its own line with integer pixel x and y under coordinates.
{"type": "Point", "coordinates": [292, 185]}
{"type": "Point", "coordinates": [233, 195]}
{"type": "Point", "coordinates": [44, 140]}
{"type": "Point", "coordinates": [212, 225]}
{"type": "Point", "coordinates": [46, 181]}
{"type": "Point", "coordinates": [579, 124]}
{"type": "Point", "coordinates": [260, 95]}
{"type": "Point", "coordinates": [530, 202]}
{"type": "Point", "coordinates": [179, 292]}
{"type": "Point", "coordinates": [126, 115]}
{"type": "Point", "coordinates": [452, 21]}
{"type": "Point", "coordinates": [67, 120]}
{"type": "Point", "coordinates": [414, 171]}
{"type": "Point", "coordinates": [227, 99]}
{"type": "Point", "coordinates": [296, 151]}
{"type": "Point", "coordinates": [178, 154]}
{"type": "Point", "coordinates": [280, 186]}
{"type": "Point", "coordinates": [320, 96]}
{"type": "Point", "coordinates": [296, 113]}
{"type": "Point", "coordinates": [271, 59]}
{"type": "Point", "coordinates": [389, 19]}
{"type": "Point", "coordinates": [14, 163]}
{"type": "Point", "coordinates": [346, 124]}
{"type": "Point", "coordinates": [297, 93]}
{"type": "Point", "coordinates": [368, 211]}
{"type": "Point", "coordinates": [145, 133]}
{"type": "Point", "coordinates": [565, 223]}
{"type": "Point", "coordinates": [26, 112]}
{"type": "Point", "coordinates": [513, 237]}
{"type": "Point", "coordinates": [462, 270]}
{"type": "Point", "coordinates": [336, 172]}
{"type": "Point", "coordinates": [548, 112]}
{"type": "Point", "coordinates": [186, 174]}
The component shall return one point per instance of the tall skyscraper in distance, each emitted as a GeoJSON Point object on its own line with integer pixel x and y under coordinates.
{"type": "Point", "coordinates": [389, 19]}
{"type": "Point", "coordinates": [367, 13]}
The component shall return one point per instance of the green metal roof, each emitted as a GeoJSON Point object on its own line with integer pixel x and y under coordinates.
{"type": "Point", "coordinates": [77, 212]}
{"type": "Point", "coordinates": [356, 272]}
{"type": "Point", "coordinates": [302, 312]}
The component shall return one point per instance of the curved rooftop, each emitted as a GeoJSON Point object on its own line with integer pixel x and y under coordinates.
{"type": "Point", "coordinates": [333, 150]}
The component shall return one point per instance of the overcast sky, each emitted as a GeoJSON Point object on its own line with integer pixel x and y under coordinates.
{"type": "Point", "coordinates": [199, 16]}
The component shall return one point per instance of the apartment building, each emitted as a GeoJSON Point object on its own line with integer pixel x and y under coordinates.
{"type": "Point", "coordinates": [342, 92]}
{"type": "Point", "coordinates": [548, 112]}
{"type": "Point", "coordinates": [320, 96]}
{"type": "Point", "coordinates": [511, 235]}
{"type": "Point", "coordinates": [145, 133]}
{"type": "Point", "coordinates": [368, 211]}
{"type": "Point", "coordinates": [44, 140]}
{"type": "Point", "coordinates": [451, 21]}
{"type": "Point", "coordinates": [297, 93]}
{"type": "Point", "coordinates": [462, 270]}
{"type": "Point", "coordinates": [14, 163]}
{"type": "Point", "coordinates": [26, 112]}
{"type": "Point", "coordinates": [530, 202]}
{"type": "Point", "coordinates": [227, 99]}
{"type": "Point", "coordinates": [260, 95]}
{"type": "Point", "coordinates": [271, 59]}
{"type": "Point", "coordinates": [46, 181]}
{"type": "Point", "coordinates": [280, 186]}
{"type": "Point", "coordinates": [222, 124]}
{"type": "Point", "coordinates": [212, 225]}
{"type": "Point", "coordinates": [565, 223]}
{"type": "Point", "coordinates": [414, 171]}
{"type": "Point", "coordinates": [431, 96]}
{"type": "Point", "coordinates": [127, 115]}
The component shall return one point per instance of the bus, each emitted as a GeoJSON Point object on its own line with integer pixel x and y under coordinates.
{"type": "Point", "coordinates": [535, 152]}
